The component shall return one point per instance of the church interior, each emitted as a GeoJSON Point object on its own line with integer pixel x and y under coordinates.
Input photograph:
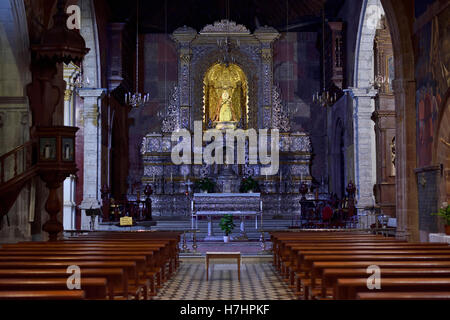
{"type": "Point", "coordinates": [224, 150]}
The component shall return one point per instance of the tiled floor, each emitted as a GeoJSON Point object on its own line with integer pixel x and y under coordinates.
{"type": "Point", "coordinates": [259, 281]}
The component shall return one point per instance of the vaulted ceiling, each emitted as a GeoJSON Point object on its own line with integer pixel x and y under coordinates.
{"type": "Point", "coordinates": [167, 15]}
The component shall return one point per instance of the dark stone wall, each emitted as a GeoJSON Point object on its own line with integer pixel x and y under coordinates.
{"type": "Point", "coordinates": [427, 187]}
{"type": "Point", "coordinates": [297, 72]}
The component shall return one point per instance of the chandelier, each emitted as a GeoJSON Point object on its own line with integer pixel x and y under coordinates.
{"type": "Point", "coordinates": [324, 97]}
{"type": "Point", "coordinates": [226, 48]}
{"type": "Point", "coordinates": [137, 99]}
{"type": "Point", "coordinates": [80, 81]}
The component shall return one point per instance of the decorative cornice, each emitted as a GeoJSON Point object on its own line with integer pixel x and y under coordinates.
{"type": "Point", "coordinates": [368, 92]}
{"type": "Point", "coordinates": [13, 100]}
{"type": "Point", "coordinates": [224, 26]}
{"type": "Point", "coordinates": [92, 93]}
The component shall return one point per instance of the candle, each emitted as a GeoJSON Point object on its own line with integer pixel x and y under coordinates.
{"type": "Point", "coordinates": [171, 177]}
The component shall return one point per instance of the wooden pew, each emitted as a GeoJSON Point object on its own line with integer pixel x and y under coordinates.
{"type": "Point", "coordinates": [304, 253]}
{"type": "Point", "coordinates": [345, 289]}
{"type": "Point", "coordinates": [299, 265]}
{"type": "Point", "coordinates": [157, 262]}
{"type": "Point", "coordinates": [43, 295]}
{"type": "Point", "coordinates": [151, 263]}
{"type": "Point", "coordinates": [432, 295]}
{"type": "Point", "coordinates": [150, 253]}
{"type": "Point", "coordinates": [330, 276]}
{"type": "Point", "coordinates": [129, 267]}
{"type": "Point", "coordinates": [94, 288]}
{"type": "Point", "coordinates": [142, 258]}
{"type": "Point", "coordinates": [115, 277]}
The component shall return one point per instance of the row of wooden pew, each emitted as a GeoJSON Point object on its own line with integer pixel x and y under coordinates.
{"type": "Point", "coordinates": [335, 265]}
{"type": "Point", "coordinates": [112, 265]}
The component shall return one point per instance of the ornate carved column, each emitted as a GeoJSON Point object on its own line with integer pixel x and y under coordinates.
{"type": "Point", "coordinates": [183, 37]}
{"type": "Point", "coordinates": [71, 71]}
{"type": "Point", "coordinates": [266, 36]}
{"type": "Point", "coordinates": [364, 146]}
{"type": "Point", "coordinates": [406, 185]}
{"type": "Point", "coordinates": [92, 152]}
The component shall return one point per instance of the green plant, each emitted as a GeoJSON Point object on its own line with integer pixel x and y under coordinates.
{"type": "Point", "coordinates": [226, 224]}
{"type": "Point", "coordinates": [248, 184]}
{"type": "Point", "coordinates": [444, 212]}
{"type": "Point", "coordinates": [205, 184]}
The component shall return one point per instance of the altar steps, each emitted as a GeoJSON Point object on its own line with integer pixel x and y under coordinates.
{"type": "Point", "coordinates": [252, 234]}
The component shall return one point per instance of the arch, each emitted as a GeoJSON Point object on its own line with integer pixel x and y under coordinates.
{"type": "Point", "coordinates": [404, 88]}
{"type": "Point", "coordinates": [14, 108]}
{"type": "Point", "coordinates": [246, 63]}
{"type": "Point", "coordinates": [232, 80]}
{"type": "Point", "coordinates": [400, 24]}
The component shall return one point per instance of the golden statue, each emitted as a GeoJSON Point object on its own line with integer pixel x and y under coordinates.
{"type": "Point", "coordinates": [225, 96]}
{"type": "Point", "coordinates": [224, 111]}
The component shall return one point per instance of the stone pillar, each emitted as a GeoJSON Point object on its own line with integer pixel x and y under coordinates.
{"type": "Point", "coordinates": [405, 144]}
{"type": "Point", "coordinates": [266, 36]}
{"type": "Point", "coordinates": [92, 152]}
{"type": "Point", "coordinates": [70, 73]}
{"type": "Point", "coordinates": [183, 37]}
{"type": "Point", "coordinates": [364, 144]}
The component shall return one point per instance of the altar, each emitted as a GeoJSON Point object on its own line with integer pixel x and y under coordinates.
{"type": "Point", "coordinates": [211, 205]}
{"type": "Point", "coordinates": [225, 84]}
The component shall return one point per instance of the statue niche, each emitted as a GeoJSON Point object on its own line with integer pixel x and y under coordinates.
{"type": "Point", "coordinates": [225, 97]}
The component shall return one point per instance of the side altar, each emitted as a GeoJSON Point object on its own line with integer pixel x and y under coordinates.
{"type": "Point", "coordinates": [225, 82]}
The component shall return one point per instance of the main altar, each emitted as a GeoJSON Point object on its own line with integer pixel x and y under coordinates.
{"type": "Point", "coordinates": [225, 81]}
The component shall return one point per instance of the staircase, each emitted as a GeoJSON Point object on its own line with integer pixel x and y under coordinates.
{"type": "Point", "coordinates": [17, 167]}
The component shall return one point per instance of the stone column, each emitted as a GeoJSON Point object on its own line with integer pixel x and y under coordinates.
{"type": "Point", "coordinates": [405, 144]}
{"type": "Point", "coordinates": [266, 36]}
{"type": "Point", "coordinates": [183, 37]}
{"type": "Point", "coordinates": [92, 152]}
{"type": "Point", "coordinates": [364, 144]}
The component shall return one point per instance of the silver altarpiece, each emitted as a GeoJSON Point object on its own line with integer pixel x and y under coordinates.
{"type": "Point", "coordinates": [254, 102]}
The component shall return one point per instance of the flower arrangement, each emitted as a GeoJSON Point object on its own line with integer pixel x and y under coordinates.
{"type": "Point", "coordinates": [205, 184]}
{"type": "Point", "coordinates": [248, 184]}
{"type": "Point", "coordinates": [444, 212]}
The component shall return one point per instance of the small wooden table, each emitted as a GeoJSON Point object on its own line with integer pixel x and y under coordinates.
{"type": "Point", "coordinates": [224, 255]}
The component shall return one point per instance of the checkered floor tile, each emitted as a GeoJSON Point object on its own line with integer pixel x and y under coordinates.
{"type": "Point", "coordinates": [259, 281]}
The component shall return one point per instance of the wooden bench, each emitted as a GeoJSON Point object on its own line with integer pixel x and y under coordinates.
{"type": "Point", "coordinates": [346, 256]}
{"type": "Point", "coordinates": [115, 277]}
{"type": "Point", "coordinates": [432, 295]}
{"type": "Point", "coordinates": [345, 289]}
{"type": "Point", "coordinates": [330, 276]}
{"type": "Point", "coordinates": [128, 266]}
{"type": "Point", "coordinates": [43, 295]}
{"type": "Point", "coordinates": [94, 288]}
{"type": "Point", "coordinates": [136, 257]}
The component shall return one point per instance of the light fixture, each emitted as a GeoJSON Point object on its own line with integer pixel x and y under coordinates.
{"type": "Point", "coordinates": [137, 99]}
{"type": "Point", "coordinates": [80, 81]}
{"type": "Point", "coordinates": [226, 46]}
{"type": "Point", "coordinates": [324, 97]}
